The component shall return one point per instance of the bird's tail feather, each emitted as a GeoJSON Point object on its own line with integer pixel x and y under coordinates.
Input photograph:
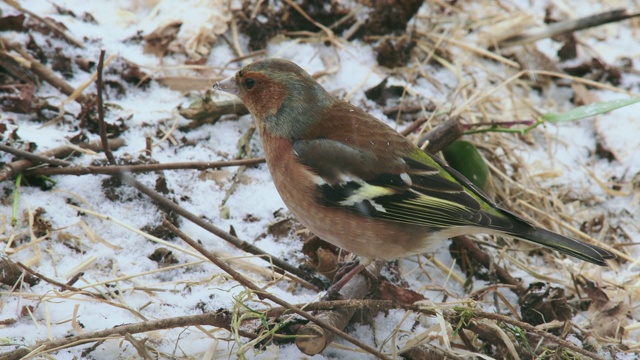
{"type": "Point", "coordinates": [591, 253]}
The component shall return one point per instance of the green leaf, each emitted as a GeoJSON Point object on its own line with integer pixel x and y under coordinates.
{"type": "Point", "coordinates": [585, 111]}
{"type": "Point", "coordinates": [465, 157]}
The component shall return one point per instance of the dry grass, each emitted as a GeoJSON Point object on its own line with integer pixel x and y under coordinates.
{"type": "Point", "coordinates": [491, 86]}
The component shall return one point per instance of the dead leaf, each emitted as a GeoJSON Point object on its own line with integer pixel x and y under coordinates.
{"type": "Point", "coordinates": [582, 95]}
{"type": "Point", "coordinates": [542, 303]}
{"type": "Point", "coordinates": [281, 228]}
{"type": "Point", "coordinates": [161, 41]}
{"type": "Point", "coordinates": [11, 273]}
{"type": "Point", "coordinates": [12, 23]}
{"type": "Point", "coordinates": [389, 291]}
{"type": "Point", "coordinates": [382, 93]}
{"type": "Point", "coordinates": [220, 177]}
{"type": "Point", "coordinates": [163, 257]}
{"type": "Point", "coordinates": [611, 320]}
{"type": "Point", "coordinates": [17, 98]}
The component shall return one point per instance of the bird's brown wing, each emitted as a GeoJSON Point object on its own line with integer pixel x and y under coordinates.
{"type": "Point", "coordinates": [401, 189]}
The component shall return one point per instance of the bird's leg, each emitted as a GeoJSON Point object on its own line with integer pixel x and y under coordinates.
{"type": "Point", "coordinates": [347, 272]}
{"type": "Point", "coordinates": [334, 291]}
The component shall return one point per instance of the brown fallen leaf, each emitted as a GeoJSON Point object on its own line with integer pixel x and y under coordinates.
{"type": "Point", "coordinates": [608, 317]}
{"type": "Point", "coordinates": [542, 303]}
{"type": "Point", "coordinates": [161, 41]}
{"type": "Point", "coordinates": [388, 291]}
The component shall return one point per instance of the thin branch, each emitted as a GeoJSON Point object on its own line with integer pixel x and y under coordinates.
{"type": "Point", "coordinates": [46, 157]}
{"type": "Point", "coordinates": [38, 159]}
{"type": "Point", "coordinates": [101, 124]}
{"type": "Point", "coordinates": [568, 26]}
{"type": "Point", "coordinates": [118, 169]}
{"type": "Point", "coordinates": [59, 284]}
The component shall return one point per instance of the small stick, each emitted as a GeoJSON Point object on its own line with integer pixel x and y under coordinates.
{"type": "Point", "coordinates": [442, 135]}
{"type": "Point", "coordinates": [117, 169]}
{"type": "Point", "coordinates": [59, 284]}
{"type": "Point", "coordinates": [414, 125]}
{"type": "Point", "coordinates": [102, 126]}
{"type": "Point", "coordinates": [46, 157]}
{"type": "Point", "coordinates": [568, 26]}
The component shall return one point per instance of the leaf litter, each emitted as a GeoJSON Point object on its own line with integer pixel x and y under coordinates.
{"type": "Point", "coordinates": [89, 234]}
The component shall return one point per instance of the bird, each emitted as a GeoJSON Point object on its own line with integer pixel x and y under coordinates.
{"type": "Point", "coordinates": [357, 183]}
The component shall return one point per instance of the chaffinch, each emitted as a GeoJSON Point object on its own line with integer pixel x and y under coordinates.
{"type": "Point", "coordinates": [360, 185]}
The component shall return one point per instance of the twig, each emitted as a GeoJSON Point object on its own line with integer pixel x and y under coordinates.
{"type": "Point", "coordinates": [504, 124]}
{"type": "Point", "coordinates": [244, 149]}
{"type": "Point", "coordinates": [414, 125]}
{"type": "Point", "coordinates": [36, 158]}
{"type": "Point", "coordinates": [102, 126]}
{"type": "Point", "coordinates": [139, 346]}
{"type": "Point", "coordinates": [442, 136]}
{"type": "Point", "coordinates": [219, 319]}
{"type": "Point", "coordinates": [563, 27]}
{"type": "Point", "coordinates": [46, 157]}
{"type": "Point", "coordinates": [371, 304]}
{"type": "Point", "coordinates": [266, 295]}
{"type": "Point", "coordinates": [59, 284]}
{"type": "Point", "coordinates": [117, 169]}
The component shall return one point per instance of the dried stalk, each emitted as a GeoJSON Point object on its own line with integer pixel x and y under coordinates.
{"type": "Point", "coordinates": [117, 169]}
{"type": "Point", "coordinates": [101, 124]}
{"type": "Point", "coordinates": [47, 157]}
{"type": "Point", "coordinates": [568, 26]}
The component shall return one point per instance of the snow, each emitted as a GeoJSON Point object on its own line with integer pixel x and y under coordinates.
{"type": "Point", "coordinates": [564, 150]}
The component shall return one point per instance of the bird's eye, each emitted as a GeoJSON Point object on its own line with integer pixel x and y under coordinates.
{"type": "Point", "coordinates": [249, 84]}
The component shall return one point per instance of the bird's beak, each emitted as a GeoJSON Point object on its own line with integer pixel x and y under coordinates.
{"type": "Point", "coordinates": [228, 85]}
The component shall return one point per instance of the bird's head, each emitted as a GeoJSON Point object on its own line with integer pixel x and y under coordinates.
{"type": "Point", "coordinates": [281, 96]}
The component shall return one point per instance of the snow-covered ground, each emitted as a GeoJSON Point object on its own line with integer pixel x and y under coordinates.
{"type": "Point", "coordinates": [559, 158]}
